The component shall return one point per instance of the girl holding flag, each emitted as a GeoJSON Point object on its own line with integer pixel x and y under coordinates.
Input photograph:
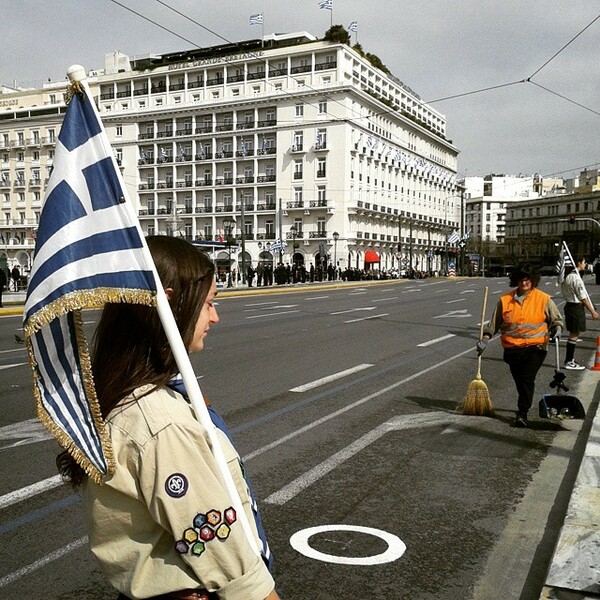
{"type": "Point", "coordinates": [163, 526]}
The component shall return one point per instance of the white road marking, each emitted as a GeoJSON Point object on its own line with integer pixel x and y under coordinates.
{"type": "Point", "coordinates": [366, 318]}
{"type": "Point", "coordinates": [454, 314]}
{"type": "Point", "coordinates": [262, 303]}
{"type": "Point", "coordinates": [26, 432]}
{"type": "Point", "coordinates": [317, 298]}
{"type": "Point", "coordinates": [343, 312]}
{"type": "Point", "coordinates": [386, 299]}
{"type": "Point", "coordinates": [453, 301]}
{"type": "Point", "coordinates": [356, 293]}
{"type": "Point", "coordinates": [468, 292]}
{"type": "Point", "coordinates": [13, 350]}
{"type": "Point", "coordinates": [442, 290]}
{"type": "Point", "coordinates": [498, 292]}
{"type": "Point", "coordinates": [416, 421]}
{"type": "Point", "coordinates": [30, 490]}
{"type": "Point", "coordinates": [48, 558]}
{"type": "Point", "coordinates": [283, 312]}
{"type": "Point", "coordinates": [330, 378]}
{"type": "Point", "coordinates": [412, 290]}
{"type": "Point", "coordinates": [341, 411]}
{"type": "Point", "coordinates": [12, 366]}
{"type": "Point", "coordinates": [436, 340]}
{"type": "Point", "coordinates": [396, 547]}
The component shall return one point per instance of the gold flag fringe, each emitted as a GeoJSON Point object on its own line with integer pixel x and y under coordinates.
{"type": "Point", "coordinates": [74, 302]}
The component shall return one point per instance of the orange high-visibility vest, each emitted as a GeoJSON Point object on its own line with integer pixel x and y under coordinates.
{"type": "Point", "coordinates": [524, 324]}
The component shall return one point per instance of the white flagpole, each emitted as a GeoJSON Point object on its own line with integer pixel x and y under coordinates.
{"type": "Point", "coordinates": [76, 73]}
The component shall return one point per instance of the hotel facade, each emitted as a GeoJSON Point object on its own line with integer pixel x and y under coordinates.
{"type": "Point", "coordinates": [290, 148]}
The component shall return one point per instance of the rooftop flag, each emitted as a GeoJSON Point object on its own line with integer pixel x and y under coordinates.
{"type": "Point", "coordinates": [256, 19]}
{"type": "Point", "coordinates": [353, 27]}
{"type": "Point", "coordinates": [326, 4]}
{"type": "Point", "coordinates": [88, 251]}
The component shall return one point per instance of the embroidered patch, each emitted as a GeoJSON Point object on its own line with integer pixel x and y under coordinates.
{"type": "Point", "coordinates": [176, 485]}
{"type": "Point", "coordinates": [206, 527]}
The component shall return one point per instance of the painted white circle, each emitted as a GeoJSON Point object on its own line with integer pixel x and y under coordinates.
{"type": "Point", "coordinates": [396, 547]}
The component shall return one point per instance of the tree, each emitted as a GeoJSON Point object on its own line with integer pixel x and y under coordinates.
{"type": "Point", "coordinates": [337, 33]}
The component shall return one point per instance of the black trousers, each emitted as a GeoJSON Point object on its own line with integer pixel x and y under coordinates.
{"type": "Point", "coordinates": [524, 365]}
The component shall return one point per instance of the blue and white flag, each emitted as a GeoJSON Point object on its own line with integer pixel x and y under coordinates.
{"type": "Point", "coordinates": [278, 245]}
{"type": "Point", "coordinates": [326, 4]}
{"type": "Point", "coordinates": [256, 19]}
{"type": "Point", "coordinates": [89, 250]}
{"type": "Point", "coordinates": [564, 260]}
{"type": "Point", "coordinates": [453, 237]}
{"type": "Point", "coordinates": [353, 27]}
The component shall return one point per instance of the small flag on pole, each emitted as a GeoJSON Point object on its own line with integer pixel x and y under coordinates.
{"type": "Point", "coordinates": [353, 27]}
{"type": "Point", "coordinates": [453, 237]}
{"type": "Point", "coordinates": [88, 251]}
{"type": "Point", "coordinates": [256, 19]}
{"type": "Point", "coordinates": [326, 4]}
{"type": "Point", "coordinates": [564, 260]}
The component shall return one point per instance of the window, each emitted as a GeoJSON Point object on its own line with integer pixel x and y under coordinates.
{"type": "Point", "coordinates": [321, 167]}
{"type": "Point", "coordinates": [36, 137]}
{"type": "Point", "coordinates": [35, 156]}
{"type": "Point", "coordinates": [321, 195]}
{"type": "Point", "coordinates": [299, 110]}
{"type": "Point", "coordinates": [52, 136]}
{"type": "Point", "coordinates": [321, 141]}
{"type": "Point", "coordinates": [298, 142]}
{"type": "Point", "coordinates": [298, 196]}
{"type": "Point", "coordinates": [298, 168]}
{"type": "Point", "coordinates": [119, 131]}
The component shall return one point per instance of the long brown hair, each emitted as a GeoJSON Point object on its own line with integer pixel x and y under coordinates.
{"type": "Point", "coordinates": [130, 346]}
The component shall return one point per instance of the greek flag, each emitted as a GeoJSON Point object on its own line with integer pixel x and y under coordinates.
{"type": "Point", "coordinates": [353, 27]}
{"type": "Point", "coordinates": [89, 250]}
{"type": "Point", "coordinates": [326, 4]}
{"type": "Point", "coordinates": [256, 19]}
{"type": "Point", "coordinates": [278, 245]}
{"type": "Point", "coordinates": [453, 237]}
{"type": "Point", "coordinates": [564, 260]}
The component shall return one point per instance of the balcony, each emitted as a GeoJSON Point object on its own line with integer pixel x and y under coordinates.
{"type": "Point", "coordinates": [224, 127]}
{"type": "Point", "coordinates": [245, 125]}
{"type": "Point", "coordinates": [35, 182]}
{"type": "Point", "coordinates": [298, 175]}
{"type": "Point", "coordinates": [267, 123]}
{"type": "Point", "coordinates": [297, 148]}
{"type": "Point", "coordinates": [266, 179]}
{"type": "Point", "coordinates": [165, 159]}
{"type": "Point", "coordinates": [266, 206]}
{"type": "Point", "coordinates": [5, 183]}
{"type": "Point", "coordinates": [140, 91]}
{"type": "Point", "coordinates": [318, 204]}
{"type": "Point", "coordinates": [296, 204]}
{"type": "Point", "coordinates": [300, 69]}
{"type": "Point", "coordinates": [321, 146]}
{"type": "Point", "coordinates": [246, 179]}
{"type": "Point", "coordinates": [184, 131]}
{"type": "Point", "coordinates": [268, 235]}
{"type": "Point", "coordinates": [184, 184]}
{"type": "Point", "coordinates": [148, 135]}
{"type": "Point", "coordinates": [205, 156]}
{"type": "Point", "coordinates": [146, 186]}
{"type": "Point", "coordinates": [175, 87]}
{"type": "Point", "coordinates": [235, 78]}
{"type": "Point", "coordinates": [107, 96]}
{"type": "Point", "coordinates": [321, 173]}
{"type": "Point", "coordinates": [204, 129]}
{"type": "Point", "coordinates": [267, 151]}
{"type": "Point", "coordinates": [325, 65]}
{"type": "Point", "coordinates": [214, 81]}
{"type": "Point", "coordinates": [298, 235]}
{"type": "Point", "coordinates": [317, 234]}
{"type": "Point", "coordinates": [244, 153]}
{"type": "Point", "coordinates": [124, 93]}
{"type": "Point", "coordinates": [278, 72]}
{"type": "Point", "coordinates": [158, 88]}
{"type": "Point", "coordinates": [203, 182]}
{"type": "Point", "coordinates": [257, 75]}
{"type": "Point", "coordinates": [165, 134]}
{"type": "Point", "coordinates": [195, 84]}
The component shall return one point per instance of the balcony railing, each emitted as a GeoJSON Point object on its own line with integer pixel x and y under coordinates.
{"type": "Point", "coordinates": [174, 87]}
{"type": "Point", "coordinates": [326, 65]}
{"type": "Point", "coordinates": [184, 131]}
{"type": "Point", "coordinates": [278, 72]}
{"type": "Point", "coordinates": [265, 178]}
{"type": "Point", "coordinates": [148, 135]}
{"type": "Point", "coordinates": [267, 206]}
{"type": "Point", "coordinates": [317, 234]}
{"type": "Point", "coordinates": [195, 84]}
{"type": "Point", "coordinates": [234, 78]}
{"type": "Point", "coordinates": [267, 151]}
{"type": "Point", "coordinates": [267, 123]}
{"type": "Point", "coordinates": [204, 129]}
{"type": "Point", "coordinates": [301, 69]}
{"type": "Point", "coordinates": [245, 125]}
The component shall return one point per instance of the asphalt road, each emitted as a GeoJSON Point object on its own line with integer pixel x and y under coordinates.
{"type": "Point", "coordinates": [343, 404]}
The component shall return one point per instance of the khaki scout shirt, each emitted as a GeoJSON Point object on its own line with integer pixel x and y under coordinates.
{"type": "Point", "coordinates": [163, 521]}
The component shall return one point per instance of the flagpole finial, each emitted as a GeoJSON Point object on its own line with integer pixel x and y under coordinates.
{"type": "Point", "coordinates": [76, 73]}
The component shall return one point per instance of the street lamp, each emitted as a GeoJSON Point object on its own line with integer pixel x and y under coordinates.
{"type": "Point", "coordinates": [336, 237]}
{"type": "Point", "coordinates": [228, 225]}
{"type": "Point", "coordinates": [293, 231]}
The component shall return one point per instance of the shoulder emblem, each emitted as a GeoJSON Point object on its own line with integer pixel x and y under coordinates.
{"type": "Point", "coordinates": [176, 485]}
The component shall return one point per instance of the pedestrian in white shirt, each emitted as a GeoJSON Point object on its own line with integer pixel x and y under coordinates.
{"type": "Point", "coordinates": [576, 297]}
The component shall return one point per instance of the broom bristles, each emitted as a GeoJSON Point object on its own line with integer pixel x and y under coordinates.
{"type": "Point", "coordinates": [477, 401]}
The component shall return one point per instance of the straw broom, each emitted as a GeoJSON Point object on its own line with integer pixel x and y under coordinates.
{"type": "Point", "coordinates": [477, 401]}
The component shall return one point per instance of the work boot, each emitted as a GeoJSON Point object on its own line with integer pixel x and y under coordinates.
{"type": "Point", "coordinates": [521, 421]}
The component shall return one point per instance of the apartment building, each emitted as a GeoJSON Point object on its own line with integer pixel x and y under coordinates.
{"type": "Point", "coordinates": [285, 138]}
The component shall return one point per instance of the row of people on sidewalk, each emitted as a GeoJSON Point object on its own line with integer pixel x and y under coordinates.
{"type": "Point", "coordinates": [9, 280]}
{"type": "Point", "coordinates": [529, 320]}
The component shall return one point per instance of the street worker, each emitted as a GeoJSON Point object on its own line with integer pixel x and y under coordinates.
{"type": "Point", "coordinates": [527, 319]}
{"type": "Point", "coordinates": [576, 298]}
{"type": "Point", "coordinates": [162, 525]}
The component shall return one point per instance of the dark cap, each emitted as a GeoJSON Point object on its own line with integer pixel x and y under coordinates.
{"type": "Point", "coordinates": [523, 271]}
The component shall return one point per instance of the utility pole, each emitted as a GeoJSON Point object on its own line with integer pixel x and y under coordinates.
{"type": "Point", "coordinates": [242, 228]}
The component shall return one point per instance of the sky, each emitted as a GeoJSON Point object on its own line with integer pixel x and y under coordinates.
{"type": "Point", "coordinates": [442, 49]}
